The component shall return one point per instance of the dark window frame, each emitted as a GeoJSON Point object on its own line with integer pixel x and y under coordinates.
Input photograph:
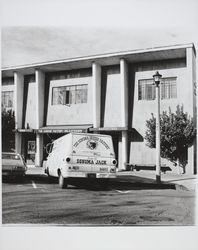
{"type": "Point", "coordinates": [69, 95]}
{"type": "Point", "coordinates": [3, 95]}
{"type": "Point", "coordinates": [168, 89]}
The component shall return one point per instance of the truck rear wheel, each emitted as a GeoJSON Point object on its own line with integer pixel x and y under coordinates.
{"type": "Point", "coordinates": [50, 178]}
{"type": "Point", "coordinates": [62, 181]}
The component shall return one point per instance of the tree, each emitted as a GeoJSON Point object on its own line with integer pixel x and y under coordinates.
{"type": "Point", "coordinates": [177, 132]}
{"type": "Point", "coordinates": [8, 125]}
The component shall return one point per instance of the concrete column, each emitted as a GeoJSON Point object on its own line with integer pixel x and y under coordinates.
{"type": "Point", "coordinates": [40, 93]}
{"type": "Point", "coordinates": [39, 150]}
{"type": "Point", "coordinates": [18, 107]}
{"type": "Point", "coordinates": [96, 76]}
{"type": "Point", "coordinates": [18, 143]}
{"type": "Point", "coordinates": [124, 150]}
{"type": "Point", "coordinates": [18, 100]}
{"type": "Point", "coordinates": [191, 71]}
{"type": "Point", "coordinates": [124, 92]}
{"type": "Point", "coordinates": [124, 112]}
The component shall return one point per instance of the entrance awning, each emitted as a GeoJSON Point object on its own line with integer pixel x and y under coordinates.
{"type": "Point", "coordinates": [111, 129]}
{"type": "Point", "coordinates": [64, 129]}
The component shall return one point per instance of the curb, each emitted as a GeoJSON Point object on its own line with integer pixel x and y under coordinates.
{"type": "Point", "coordinates": [182, 188]}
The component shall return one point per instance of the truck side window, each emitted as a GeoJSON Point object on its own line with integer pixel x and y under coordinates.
{"type": "Point", "coordinates": [49, 148]}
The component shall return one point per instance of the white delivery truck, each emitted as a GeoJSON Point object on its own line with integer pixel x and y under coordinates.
{"type": "Point", "coordinates": [81, 155]}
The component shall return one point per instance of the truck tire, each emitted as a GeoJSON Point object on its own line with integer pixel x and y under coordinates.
{"type": "Point", "coordinates": [50, 178]}
{"type": "Point", "coordinates": [62, 181]}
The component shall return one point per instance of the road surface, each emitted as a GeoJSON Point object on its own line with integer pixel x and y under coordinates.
{"type": "Point", "coordinates": [36, 201]}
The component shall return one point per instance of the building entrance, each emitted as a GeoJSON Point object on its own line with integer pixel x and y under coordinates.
{"type": "Point", "coordinates": [29, 147]}
{"type": "Point", "coordinates": [49, 138]}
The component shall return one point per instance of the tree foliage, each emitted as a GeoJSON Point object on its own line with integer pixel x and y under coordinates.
{"type": "Point", "coordinates": [8, 125]}
{"type": "Point", "coordinates": [177, 131]}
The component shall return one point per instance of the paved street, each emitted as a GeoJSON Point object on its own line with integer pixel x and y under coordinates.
{"type": "Point", "coordinates": [38, 201]}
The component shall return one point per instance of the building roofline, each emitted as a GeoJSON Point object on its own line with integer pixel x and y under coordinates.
{"type": "Point", "coordinates": [101, 56]}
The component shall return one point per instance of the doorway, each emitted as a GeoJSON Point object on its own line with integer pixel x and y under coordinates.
{"type": "Point", "coordinates": [49, 138]}
{"type": "Point", "coordinates": [29, 147]}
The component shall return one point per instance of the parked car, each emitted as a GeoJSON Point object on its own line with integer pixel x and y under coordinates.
{"type": "Point", "coordinates": [13, 165]}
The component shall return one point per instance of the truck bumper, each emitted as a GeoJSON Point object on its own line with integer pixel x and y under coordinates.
{"type": "Point", "coordinates": [90, 175]}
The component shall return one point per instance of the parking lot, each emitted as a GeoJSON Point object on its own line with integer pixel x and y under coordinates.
{"type": "Point", "coordinates": [38, 201]}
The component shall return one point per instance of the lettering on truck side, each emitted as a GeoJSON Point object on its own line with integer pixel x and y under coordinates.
{"type": "Point", "coordinates": [91, 138]}
{"type": "Point", "coordinates": [81, 161]}
{"type": "Point", "coordinates": [101, 162]}
{"type": "Point", "coordinates": [98, 162]}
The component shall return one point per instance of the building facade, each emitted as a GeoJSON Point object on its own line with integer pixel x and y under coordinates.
{"type": "Point", "coordinates": [110, 94]}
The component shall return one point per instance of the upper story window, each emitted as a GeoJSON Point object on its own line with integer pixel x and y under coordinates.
{"type": "Point", "coordinates": [168, 88]}
{"type": "Point", "coordinates": [69, 94]}
{"type": "Point", "coordinates": [7, 99]}
{"type": "Point", "coordinates": [146, 89]}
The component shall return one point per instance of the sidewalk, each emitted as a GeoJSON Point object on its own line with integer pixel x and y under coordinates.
{"type": "Point", "coordinates": [32, 170]}
{"type": "Point", "coordinates": [141, 178]}
{"type": "Point", "coordinates": [187, 182]}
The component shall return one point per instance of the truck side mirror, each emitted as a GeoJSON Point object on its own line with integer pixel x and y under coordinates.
{"type": "Point", "coordinates": [48, 148]}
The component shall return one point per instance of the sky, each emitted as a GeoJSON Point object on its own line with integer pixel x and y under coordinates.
{"type": "Point", "coordinates": [41, 31]}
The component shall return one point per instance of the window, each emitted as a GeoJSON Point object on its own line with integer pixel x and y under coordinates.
{"type": "Point", "coordinates": [7, 99]}
{"type": "Point", "coordinates": [168, 87]}
{"type": "Point", "coordinates": [69, 94]}
{"type": "Point", "coordinates": [146, 90]}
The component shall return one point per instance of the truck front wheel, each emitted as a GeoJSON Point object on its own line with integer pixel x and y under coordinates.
{"type": "Point", "coordinates": [62, 181]}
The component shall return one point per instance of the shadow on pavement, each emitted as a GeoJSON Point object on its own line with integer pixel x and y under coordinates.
{"type": "Point", "coordinates": [124, 185]}
{"type": "Point", "coordinates": [121, 183]}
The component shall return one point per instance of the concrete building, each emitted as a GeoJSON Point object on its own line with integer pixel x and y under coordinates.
{"type": "Point", "coordinates": [110, 93]}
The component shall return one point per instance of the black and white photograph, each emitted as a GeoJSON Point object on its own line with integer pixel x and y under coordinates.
{"type": "Point", "coordinates": [99, 124]}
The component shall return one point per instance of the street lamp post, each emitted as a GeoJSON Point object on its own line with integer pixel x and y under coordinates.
{"type": "Point", "coordinates": [157, 78]}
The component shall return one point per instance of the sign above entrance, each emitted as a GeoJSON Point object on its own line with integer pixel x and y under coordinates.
{"type": "Point", "coordinates": [64, 129]}
{"type": "Point", "coordinates": [59, 131]}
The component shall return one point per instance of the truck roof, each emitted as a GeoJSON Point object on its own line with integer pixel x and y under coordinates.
{"type": "Point", "coordinates": [76, 133]}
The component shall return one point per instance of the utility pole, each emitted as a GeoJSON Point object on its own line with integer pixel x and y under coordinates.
{"type": "Point", "coordinates": [157, 78]}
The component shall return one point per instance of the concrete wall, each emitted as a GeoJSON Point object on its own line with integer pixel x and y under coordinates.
{"type": "Point", "coordinates": [75, 113]}
{"type": "Point", "coordinates": [111, 98]}
{"type": "Point", "coordinates": [191, 71]}
{"type": "Point", "coordinates": [7, 88]}
{"type": "Point", "coordinates": [195, 108]}
{"type": "Point", "coordinates": [139, 152]}
{"type": "Point", "coordinates": [30, 113]}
